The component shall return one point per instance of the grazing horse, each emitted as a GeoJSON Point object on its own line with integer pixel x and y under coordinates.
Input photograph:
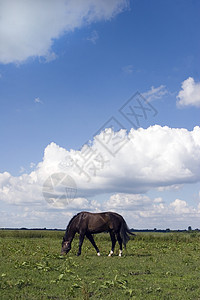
{"type": "Point", "coordinates": [86, 223]}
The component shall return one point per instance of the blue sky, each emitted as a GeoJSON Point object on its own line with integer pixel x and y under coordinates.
{"type": "Point", "coordinates": [63, 77]}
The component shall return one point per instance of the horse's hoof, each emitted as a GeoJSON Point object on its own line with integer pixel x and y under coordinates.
{"type": "Point", "coordinates": [111, 253]}
{"type": "Point", "coordinates": [78, 254]}
{"type": "Point", "coordinates": [98, 253]}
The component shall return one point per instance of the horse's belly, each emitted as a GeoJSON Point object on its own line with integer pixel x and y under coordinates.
{"type": "Point", "coordinates": [98, 229]}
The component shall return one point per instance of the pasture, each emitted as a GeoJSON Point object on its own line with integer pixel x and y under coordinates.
{"type": "Point", "coordinates": [154, 266]}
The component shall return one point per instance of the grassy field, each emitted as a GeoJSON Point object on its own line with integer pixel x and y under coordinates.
{"type": "Point", "coordinates": [154, 266]}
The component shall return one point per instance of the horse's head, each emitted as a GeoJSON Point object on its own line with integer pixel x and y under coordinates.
{"type": "Point", "coordinates": [66, 247]}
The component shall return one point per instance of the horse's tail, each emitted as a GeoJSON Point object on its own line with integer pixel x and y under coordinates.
{"type": "Point", "coordinates": [124, 231]}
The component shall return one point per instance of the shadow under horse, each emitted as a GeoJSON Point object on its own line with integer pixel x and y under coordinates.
{"type": "Point", "coordinates": [86, 224]}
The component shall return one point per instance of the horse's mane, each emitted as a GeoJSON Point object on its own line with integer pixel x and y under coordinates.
{"type": "Point", "coordinates": [69, 224]}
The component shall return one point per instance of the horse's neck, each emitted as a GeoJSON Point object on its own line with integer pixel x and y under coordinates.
{"type": "Point", "coordinates": [69, 235]}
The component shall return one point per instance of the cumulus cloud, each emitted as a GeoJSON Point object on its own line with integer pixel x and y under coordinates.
{"type": "Point", "coordinates": [144, 206]}
{"type": "Point", "coordinates": [127, 202]}
{"type": "Point", "coordinates": [141, 211]}
{"type": "Point", "coordinates": [28, 28]}
{"type": "Point", "coordinates": [150, 158]}
{"type": "Point", "coordinates": [22, 190]}
{"type": "Point", "coordinates": [189, 95]}
{"type": "Point", "coordinates": [156, 157]}
{"type": "Point", "coordinates": [4, 179]}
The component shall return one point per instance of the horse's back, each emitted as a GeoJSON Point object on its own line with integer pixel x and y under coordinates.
{"type": "Point", "coordinates": [99, 222]}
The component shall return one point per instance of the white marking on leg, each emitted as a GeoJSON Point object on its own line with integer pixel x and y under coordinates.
{"type": "Point", "coordinates": [111, 252]}
{"type": "Point", "coordinates": [98, 253]}
{"type": "Point", "coordinates": [120, 252]}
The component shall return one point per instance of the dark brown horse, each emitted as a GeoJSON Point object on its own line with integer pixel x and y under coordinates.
{"type": "Point", "coordinates": [86, 223]}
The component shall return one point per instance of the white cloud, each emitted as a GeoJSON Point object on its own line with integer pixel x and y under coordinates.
{"type": "Point", "coordinates": [22, 190]}
{"type": "Point", "coordinates": [93, 37]}
{"type": "Point", "coordinates": [128, 69]}
{"type": "Point", "coordinates": [155, 93]}
{"type": "Point", "coordinates": [37, 100]}
{"type": "Point", "coordinates": [22, 170]}
{"type": "Point", "coordinates": [151, 158]}
{"type": "Point", "coordinates": [4, 179]}
{"type": "Point", "coordinates": [140, 211]}
{"type": "Point", "coordinates": [171, 187]}
{"type": "Point", "coordinates": [32, 165]}
{"type": "Point", "coordinates": [125, 202]}
{"type": "Point", "coordinates": [190, 93]}
{"type": "Point", "coordinates": [181, 207]}
{"type": "Point", "coordinates": [28, 28]}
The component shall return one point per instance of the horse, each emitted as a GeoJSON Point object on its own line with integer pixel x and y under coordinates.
{"type": "Point", "coordinates": [86, 224]}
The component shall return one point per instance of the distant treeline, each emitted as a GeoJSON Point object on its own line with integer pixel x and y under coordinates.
{"type": "Point", "coordinates": [132, 229]}
{"type": "Point", "coordinates": [24, 228]}
{"type": "Point", "coordinates": [163, 230]}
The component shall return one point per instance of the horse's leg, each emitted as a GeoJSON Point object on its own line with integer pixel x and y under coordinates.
{"type": "Point", "coordinates": [120, 243]}
{"type": "Point", "coordinates": [113, 239]}
{"type": "Point", "coordinates": [81, 239]}
{"type": "Point", "coordinates": [90, 237]}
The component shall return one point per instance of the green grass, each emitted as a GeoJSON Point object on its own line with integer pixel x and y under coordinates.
{"type": "Point", "coordinates": [154, 266]}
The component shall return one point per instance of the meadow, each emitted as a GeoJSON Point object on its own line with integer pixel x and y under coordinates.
{"type": "Point", "coordinates": [154, 266]}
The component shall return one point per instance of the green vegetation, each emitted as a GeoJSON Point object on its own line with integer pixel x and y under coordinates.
{"type": "Point", "coordinates": [154, 266]}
